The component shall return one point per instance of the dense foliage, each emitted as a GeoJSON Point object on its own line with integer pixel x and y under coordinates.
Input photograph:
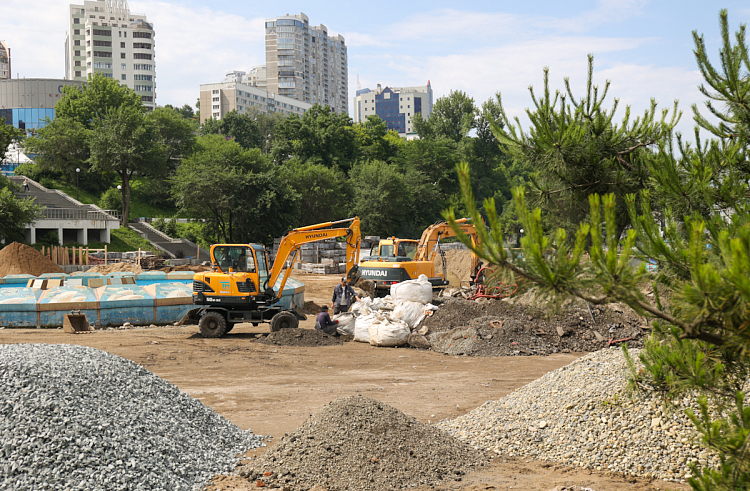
{"type": "Point", "coordinates": [691, 217]}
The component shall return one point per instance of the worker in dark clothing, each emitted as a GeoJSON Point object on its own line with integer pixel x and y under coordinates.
{"type": "Point", "coordinates": [324, 323]}
{"type": "Point", "coordinates": [342, 297]}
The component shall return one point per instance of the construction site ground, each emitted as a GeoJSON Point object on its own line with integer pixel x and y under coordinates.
{"type": "Point", "coordinates": [273, 389]}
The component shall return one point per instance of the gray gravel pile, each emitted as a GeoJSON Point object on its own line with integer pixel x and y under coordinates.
{"type": "Point", "coordinates": [357, 443]}
{"type": "Point", "coordinates": [582, 415]}
{"type": "Point", "coordinates": [73, 417]}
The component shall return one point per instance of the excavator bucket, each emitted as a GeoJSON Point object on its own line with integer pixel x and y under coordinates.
{"type": "Point", "coordinates": [191, 318]}
{"type": "Point", "coordinates": [75, 323]}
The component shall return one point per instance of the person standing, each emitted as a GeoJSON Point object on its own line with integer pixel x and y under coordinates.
{"type": "Point", "coordinates": [342, 297]}
{"type": "Point", "coordinates": [324, 323]}
{"type": "Point", "coordinates": [25, 184]}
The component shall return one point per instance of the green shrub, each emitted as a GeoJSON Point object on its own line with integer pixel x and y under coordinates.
{"type": "Point", "coordinates": [111, 199]}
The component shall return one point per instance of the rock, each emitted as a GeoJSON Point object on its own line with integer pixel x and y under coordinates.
{"type": "Point", "coordinates": [598, 336]}
{"type": "Point", "coordinates": [542, 425]}
{"type": "Point", "coordinates": [418, 341]}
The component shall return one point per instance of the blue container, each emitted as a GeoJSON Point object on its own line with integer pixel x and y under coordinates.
{"type": "Point", "coordinates": [56, 302]}
{"type": "Point", "coordinates": [18, 307]}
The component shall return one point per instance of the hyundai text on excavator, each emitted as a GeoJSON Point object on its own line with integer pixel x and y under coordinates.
{"type": "Point", "coordinates": [241, 287]}
{"type": "Point", "coordinates": [397, 260]}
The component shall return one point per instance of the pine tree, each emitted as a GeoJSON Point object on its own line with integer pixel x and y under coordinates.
{"type": "Point", "coordinates": [700, 241]}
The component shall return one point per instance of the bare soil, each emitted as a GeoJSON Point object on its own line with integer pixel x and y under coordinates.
{"type": "Point", "coordinates": [18, 258]}
{"type": "Point", "coordinates": [273, 389]}
{"type": "Point", "coordinates": [121, 267]}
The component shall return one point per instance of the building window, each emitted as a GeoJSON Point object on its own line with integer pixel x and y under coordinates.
{"type": "Point", "coordinates": [147, 98]}
{"type": "Point", "coordinates": [78, 74]}
{"type": "Point", "coordinates": [76, 42]}
{"type": "Point", "coordinates": [77, 53]}
{"type": "Point", "coordinates": [102, 54]}
{"type": "Point", "coordinates": [76, 32]}
{"type": "Point", "coordinates": [140, 66]}
{"type": "Point", "coordinates": [141, 45]}
{"type": "Point", "coordinates": [106, 44]}
{"type": "Point", "coordinates": [107, 75]}
{"type": "Point", "coordinates": [144, 35]}
{"type": "Point", "coordinates": [143, 77]}
{"type": "Point", "coordinates": [215, 99]}
{"type": "Point", "coordinates": [216, 115]}
{"type": "Point", "coordinates": [216, 106]}
{"type": "Point", "coordinates": [122, 55]}
{"type": "Point", "coordinates": [76, 21]}
{"type": "Point", "coordinates": [214, 91]}
{"type": "Point", "coordinates": [78, 63]}
{"type": "Point", "coordinates": [123, 66]}
{"type": "Point", "coordinates": [122, 45]}
{"type": "Point", "coordinates": [120, 33]}
{"type": "Point", "coordinates": [124, 77]}
{"type": "Point", "coordinates": [141, 56]}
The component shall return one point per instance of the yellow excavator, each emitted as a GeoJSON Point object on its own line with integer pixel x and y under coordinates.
{"type": "Point", "coordinates": [397, 260]}
{"type": "Point", "coordinates": [241, 287]}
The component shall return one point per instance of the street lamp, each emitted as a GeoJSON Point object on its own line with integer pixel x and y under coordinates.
{"type": "Point", "coordinates": [268, 138]}
{"type": "Point", "coordinates": [78, 173]}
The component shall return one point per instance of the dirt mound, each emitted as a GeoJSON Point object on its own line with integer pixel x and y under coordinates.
{"type": "Point", "coordinates": [497, 328]}
{"type": "Point", "coordinates": [185, 267]}
{"type": "Point", "coordinates": [458, 265]}
{"type": "Point", "coordinates": [358, 443]}
{"type": "Point", "coordinates": [311, 308]}
{"type": "Point", "coordinates": [302, 338]}
{"type": "Point", "coordinates": [18, 258]}
{"type": "Point", "coordinates": [116, 268]}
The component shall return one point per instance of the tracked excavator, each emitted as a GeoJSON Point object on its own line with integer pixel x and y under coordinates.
{"type": "Point", "coordinates": [396, 260]}
{"type": "Point", "coordinates": [242, 288]}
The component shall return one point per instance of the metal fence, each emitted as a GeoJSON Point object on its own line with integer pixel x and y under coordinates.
{"type": "Point", "coordinates": [75, 214]}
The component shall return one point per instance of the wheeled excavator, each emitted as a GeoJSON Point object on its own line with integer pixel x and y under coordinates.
{"type": "Point", "coordinates": [243, 289]}
{"type": "Point", "coordinates": [398, 260]}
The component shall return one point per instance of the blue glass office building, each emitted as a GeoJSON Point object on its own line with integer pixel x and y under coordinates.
{"type": "Point", "coordinates": [26, 102]}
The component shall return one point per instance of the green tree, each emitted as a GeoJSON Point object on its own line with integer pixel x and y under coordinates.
{"type": "Point", "coordinates": [93, 100]}
{"type": "Point", "coordinates": [174, 135]}
{"type": "Point", "coordinates": [700, 342]}
{"type": "Point", "coordinates": [323, 191]}
{"type": "Point", "coordinates": [8, 133]}
{"type": "Point", "coordinates": [241, 197]}
{"type": "Point", "coordinates": [375, 141]}
{"type": "Point", "coordinates": [452, 117]}
{"type": "Point", "coordinates": [577, 149]}
{"type": "Point", "coordinates": [320, 136]}
{"type": "Point", "coordinates": [15, 214]}
{"type": "Point", "coordinates": [123, 142]}
{"type": "Point", "coordinates": [381, 198]}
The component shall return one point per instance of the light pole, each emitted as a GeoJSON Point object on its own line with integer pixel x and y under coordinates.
{"type": "Point", "coordinates": [78, 173]}
{"type": "Point", "coordinates": [268, 138]}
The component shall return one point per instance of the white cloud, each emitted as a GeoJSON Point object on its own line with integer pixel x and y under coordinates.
{"type": "Point", "coordinates": [197, 46]}
{"type": "Point", "coordinates": [35, 33]}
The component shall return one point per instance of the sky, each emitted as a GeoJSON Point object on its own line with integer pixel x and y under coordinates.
{"type": "Point", "coordinates": [479, 47]}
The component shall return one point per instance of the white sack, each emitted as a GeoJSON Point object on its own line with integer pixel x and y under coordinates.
{"type": "Point", "coordinates": [409, 312]}
{"type": "Point", "coordinates": [389, 333]}
{"type": "Point", "coordinates": [362, 307]}
{"type": "Point", "coordinates": [419, 290]}
{"type": "Point", "coordinates": [362, 327]}
{"type": "Point", "coordinates": [346, 323]}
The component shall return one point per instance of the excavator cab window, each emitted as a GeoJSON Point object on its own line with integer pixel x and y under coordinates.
{"type": "Point", "coordinates": [407, 249]}
{"type": "Point", "coordinates": [239, 258]}
{"type": "Point", "coordinates": [386, 250]}
{"type": "Point", "coordinates": [262, 266]}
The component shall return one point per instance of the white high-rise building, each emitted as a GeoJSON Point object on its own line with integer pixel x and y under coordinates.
{"type": "Point", "coordinates": [304, 63]}
{"type": "Point", "coordinates": [5, 72]}
{"type": "Point", "coordinates": [105, 37]}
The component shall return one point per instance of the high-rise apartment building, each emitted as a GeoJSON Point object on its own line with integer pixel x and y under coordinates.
{"type": "Point", "coordinates": [304, 63]}
{"type": "Point", "coordinates": [105, 37]}
{"type": "Point", "coordinates": [4, 61]}
{"type": "Point", "coordinates": [217, 100]}
{"type": "Point", "coordinates": [394, 105]}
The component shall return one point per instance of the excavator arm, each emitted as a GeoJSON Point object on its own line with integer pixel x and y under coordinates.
{"type": "Point", "coordinates": [428, 246]}
{"type": "Point", "coordinates": [292, 241]}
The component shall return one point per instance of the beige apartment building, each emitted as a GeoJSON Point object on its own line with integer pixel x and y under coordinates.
{"type": "Point", "coordinates": [304, 63]}
{"type": "Point", "coordinates": [216, 100]}
{"type": "Point", "coordinates": [106, 38]}
{"type": "Point", "coordinates": [394, 105]}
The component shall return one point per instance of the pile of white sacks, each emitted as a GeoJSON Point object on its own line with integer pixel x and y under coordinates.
{"type": "Point", "coordinates": [389, 321]}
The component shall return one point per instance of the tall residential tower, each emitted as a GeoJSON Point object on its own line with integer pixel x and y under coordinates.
{"type": "Point", "coordinates": [4, 61]}
{"type": "Point", "coordinates": [305, 64]}
{"type": "Point", "coordinates": [105, 37]}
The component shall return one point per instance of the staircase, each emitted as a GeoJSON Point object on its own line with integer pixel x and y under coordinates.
{"type": "Point", "coordinates": [173, 248]}
{"type": "Point", "coordinates": [50, 198]}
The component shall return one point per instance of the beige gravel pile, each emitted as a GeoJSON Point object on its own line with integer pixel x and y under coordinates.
{"type": "Point", "coordinates": [582, 415]}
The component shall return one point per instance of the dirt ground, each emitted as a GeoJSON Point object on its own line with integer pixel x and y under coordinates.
{"type": "Point", "coordinates": [273, 389]}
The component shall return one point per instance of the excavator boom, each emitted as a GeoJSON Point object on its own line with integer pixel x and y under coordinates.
{"type": "Point", "coordinates": [292, 241]}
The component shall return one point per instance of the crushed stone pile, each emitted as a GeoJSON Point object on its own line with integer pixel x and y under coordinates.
{"type": "Point", "coordinates": [358, 443]}
{"type": "Point", "coordinates": [302, 338]}
{"type": "Point", "coordinates": [78, 418]}
{"type": "Point", "coordinates": [121, 267]}
{"type": "Point", "coordinates": [499, 328]}
{"type": "Point", "coordinates": [18, 258]}
{"type": "Point", "coordinates": [582, 415]}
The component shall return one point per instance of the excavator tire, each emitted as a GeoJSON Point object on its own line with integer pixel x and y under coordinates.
{"type": "Point", "coordinates": [212, 325]}
{"type": "Point", "coordinates": [283, 320]}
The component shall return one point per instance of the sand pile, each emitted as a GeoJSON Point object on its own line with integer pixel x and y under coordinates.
{"type": "Point", "coordinates": [185, 267]}
{"type": "Point", "coordinates": [116, 268]}
{"type": "Point", "coordinates": [458, 263]}
{"type": "Point", "coordinates": [18, 258]}
{"type": "Point", "coordinates": [358, 443]}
